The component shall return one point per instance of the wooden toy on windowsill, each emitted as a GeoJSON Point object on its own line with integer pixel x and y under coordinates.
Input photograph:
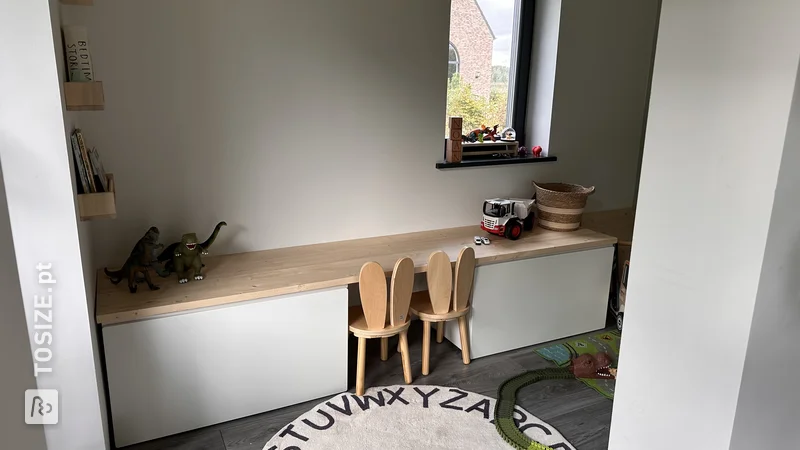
{"type": "Point", "coordinates": [481, 134]}
{"type": "Point", "coordinates": [454, 144]}
{"type": "Point", "coordinates": [508, 217]}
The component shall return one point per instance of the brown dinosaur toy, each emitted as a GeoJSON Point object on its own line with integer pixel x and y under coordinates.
{"type": "Point", "coordinates": [593, 366]}
{"type": "Point", "coordinates": [139, 261]}
{"type": "Point", "coordinates": [491, 133]}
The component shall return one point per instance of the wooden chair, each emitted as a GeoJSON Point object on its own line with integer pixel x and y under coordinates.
{"type": "Point", "coordinates": [437, 305]}
{"type": "Point", "coordinates": [369, 320]}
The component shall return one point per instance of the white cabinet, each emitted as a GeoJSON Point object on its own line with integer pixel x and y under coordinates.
{"type": "Point", "coordinates": [176, 373]}
{"type": "Point", "coordinates": [530, 301]}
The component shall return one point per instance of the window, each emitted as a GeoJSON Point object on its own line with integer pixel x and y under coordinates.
{"type": "Point", "coordinates": [490, 48]}
{"type": "Point", "coordinates": [494, 209]}
{"type": "Point", "coordinates": [452, 62]}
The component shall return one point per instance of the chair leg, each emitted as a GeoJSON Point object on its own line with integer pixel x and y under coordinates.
{"type": "Point", "coordinates": [384, 349]}
{"type": "Point", "coordinates": [405, 356]}
{"type": "Point", "coordinates": [362, 360]}
{"type": "Point", "coordinates": [462, 328]}
{"type": "Point", "coordinates": [440, 332]}
{"type": "Point", "coordinates": [426, 346]}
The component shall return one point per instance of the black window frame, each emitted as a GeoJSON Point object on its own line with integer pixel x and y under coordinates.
{"type": "Point", "coordinates": [520, 95]}
{"type": "Point", "coordinates": [457, 61]}
{"type": "Point", "coordinates": [522, 78]}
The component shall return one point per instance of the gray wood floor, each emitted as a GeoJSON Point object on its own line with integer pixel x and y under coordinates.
{"type": "Point", "coordinates": [578, 412]}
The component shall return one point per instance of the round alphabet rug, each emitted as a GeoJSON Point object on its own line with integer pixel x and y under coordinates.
{"type": "Point", "coordinates": [407, 417]}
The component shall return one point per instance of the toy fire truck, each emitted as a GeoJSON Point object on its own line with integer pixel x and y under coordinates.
{"type": "Point", "coordinates": [508, 217]}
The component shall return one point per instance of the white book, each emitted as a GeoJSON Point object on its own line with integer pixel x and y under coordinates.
{"type": "Point", "coordinates": [78, 56]}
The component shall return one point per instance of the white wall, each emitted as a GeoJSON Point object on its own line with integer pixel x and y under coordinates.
{"type": "Point", "coordinates": [768, 410]}
{"type": "Point", "coordinates": [298, 122]}
{"type": "Point", "coordinates": [605, 54]}
{"type": "Point", "coordinates": [71, 122]}
{"type": "Point", "coordinates": [39, 191]}
{"type": "Point", "coordinates": [717, 122]}
{"type": "Point", "coordinates": [547, 21]}
{"type": "Point", "coordinates": [15, 352]}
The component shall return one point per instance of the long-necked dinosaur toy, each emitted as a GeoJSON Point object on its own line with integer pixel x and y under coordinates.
{"type": "Point", "coordinates": [184, 257]}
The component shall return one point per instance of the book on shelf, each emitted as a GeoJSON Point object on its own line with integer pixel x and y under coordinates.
{"type": "Point", "coordinates": [98, 171]}
{"type": "Point", "coordinates": [80, 170]}
{"type": "Point", "coordinates": [78, 56]}
{"type": "Point", "coordinates": [85, 158]}
{"type": "Point", "coordinates": [89, 171]}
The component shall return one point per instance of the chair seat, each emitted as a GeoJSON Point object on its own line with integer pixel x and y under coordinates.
{"type": "Point", "coordinates": [421, 307]}
{"type": "Point", "coordinates": [358, 325]}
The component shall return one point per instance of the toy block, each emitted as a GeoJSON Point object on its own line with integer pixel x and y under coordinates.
{"type": "Point", "coordinates": [454, 145]}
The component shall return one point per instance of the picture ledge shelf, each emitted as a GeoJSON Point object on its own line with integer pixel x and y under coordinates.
{"type": "Point", "coordinates": [494, 162]}
{"type": "Point", "coordinates": [78, 2]}
{"type": "Point", "coordinates": [99, 205]}
{"type": "Point", "coordinates": [84, 96]}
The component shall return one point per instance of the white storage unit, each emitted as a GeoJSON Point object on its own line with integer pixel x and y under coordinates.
{"type": "Point", "coordinates": [531, 301]}
{"type": "Point", "coordinates": [179, 372]}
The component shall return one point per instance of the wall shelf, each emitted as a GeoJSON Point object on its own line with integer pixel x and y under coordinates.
{"type": "Point", "coordinates": [84, 96]}
{"type": "Point", "coordinates": [100, 205]}
{"type": "Point", "coordinates": [494, 162]}
{"type": "Point", "coordinates": [78, 2]}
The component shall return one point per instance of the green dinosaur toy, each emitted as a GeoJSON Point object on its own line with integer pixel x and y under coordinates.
{"type": "Point", "coordinates": [138, 262]}
{"type": "Point", "coordinates": [184, 257]}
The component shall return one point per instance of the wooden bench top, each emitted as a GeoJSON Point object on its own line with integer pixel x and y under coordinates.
{"type": "Point", "coordinates": [254, 275]}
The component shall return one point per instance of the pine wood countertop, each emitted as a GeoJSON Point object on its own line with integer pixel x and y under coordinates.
{"type": "Point", "coordinates": [254, 275]}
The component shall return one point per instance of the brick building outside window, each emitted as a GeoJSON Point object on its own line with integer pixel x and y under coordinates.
{"type": "Point", "coordinates": [479, 62]}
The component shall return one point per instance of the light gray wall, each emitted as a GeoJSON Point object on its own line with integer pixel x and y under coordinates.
{"type": "Point", "coordinates": [41, 211]}
{"type": "Point", "coordinates": [547, 22]}
{"type": "Point", "coordinates": [717, 124]}
{"type": "Point", "coordinates": [71, 122]}
{"type": "Point", "coordinates": [768, 411]}
{"type": "Point", "coordinates": [298, 122]}
{"type": "Point", "coordinates": [605, 54]}
{"type": "Point", "coordinates": [15, 351]}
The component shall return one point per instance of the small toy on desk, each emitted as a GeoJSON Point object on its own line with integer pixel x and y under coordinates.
{"type": "Point", "coordinates": [184, 257]}
{"type": "Point", "coordinates": [522, 152]}
{"type": "Point", "coordinates": [491, 133]}
{"type": "Point", "coordinates": [508, 217]}
{"type": "Point", "coordinates": [482, 240]}
{"type": "Point", "coordinates": [508, 135]}
{"type": "Point", "coordinates": [480, 134]}
{"type": "Point", "coordinates": [474, 135]}
{"type": "Point", "coordinates": [537, 151]}
{"type": "Point", "coordinates": [138, 262]}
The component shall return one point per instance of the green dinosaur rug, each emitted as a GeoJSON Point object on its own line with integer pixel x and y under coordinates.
{"type": "Point", "coordinates": [602, 341]}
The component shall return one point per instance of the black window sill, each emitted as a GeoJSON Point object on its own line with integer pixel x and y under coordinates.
{"type": "Point", "coordinates": [494, 162]}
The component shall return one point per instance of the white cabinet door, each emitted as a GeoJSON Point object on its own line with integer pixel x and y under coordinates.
{"type": "Point", "coordinates": [527, 302]}
{"type": "Point", "coordinates": [176, 373]}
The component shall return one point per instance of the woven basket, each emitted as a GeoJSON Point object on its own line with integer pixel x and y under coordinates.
{"type": "Point", "coordinates": [560, 205]}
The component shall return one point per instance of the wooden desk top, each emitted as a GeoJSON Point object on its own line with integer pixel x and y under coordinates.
{"type": "Point", "coordinates": [254, 275]}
